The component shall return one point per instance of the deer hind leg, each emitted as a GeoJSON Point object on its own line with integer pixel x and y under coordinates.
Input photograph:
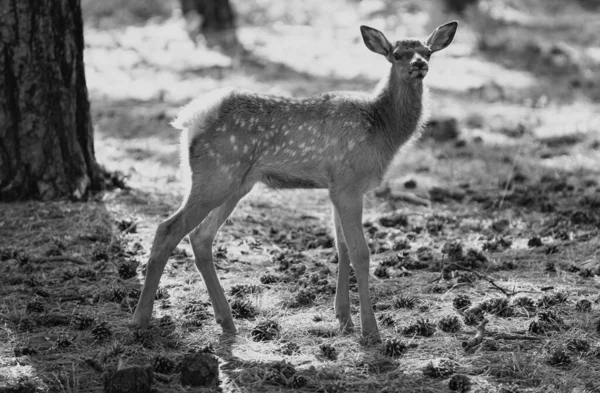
{"type": "Point", "coordinates": [349, 208]}
{"type": "Point", "coordinates": [201, 239]}
{"type": "Point", "coordinates": [342, 293]}
{"type": "Point", "coordinates": [208, 191]}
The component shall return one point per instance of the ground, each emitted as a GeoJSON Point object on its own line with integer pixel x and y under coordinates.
{"type": "Point", "coordinates": [504, 214]}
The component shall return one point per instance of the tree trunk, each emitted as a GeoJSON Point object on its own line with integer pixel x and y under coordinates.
{"type": "Point", "coordinates": [46, 141]}
{"type": "Point", "coordinates": [217, 23]}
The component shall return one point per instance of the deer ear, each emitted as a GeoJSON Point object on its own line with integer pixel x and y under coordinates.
{"type": "Point", "coordinates": [375, 40]}
{"type": "Point", "coordinates": [442, 36]}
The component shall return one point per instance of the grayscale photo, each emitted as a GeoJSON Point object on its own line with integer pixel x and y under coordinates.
{"type": "Point", "coordinates": [266, 196]}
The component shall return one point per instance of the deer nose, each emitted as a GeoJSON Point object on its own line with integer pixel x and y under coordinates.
{"type": "Point", "coordinates": [418, 63]}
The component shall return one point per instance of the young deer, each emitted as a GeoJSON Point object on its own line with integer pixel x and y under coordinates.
{"type": "Point", "coordinates": [340, 141]}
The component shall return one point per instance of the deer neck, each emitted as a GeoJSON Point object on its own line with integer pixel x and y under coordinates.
{"type": "Point", "coordinates": [398, 107]}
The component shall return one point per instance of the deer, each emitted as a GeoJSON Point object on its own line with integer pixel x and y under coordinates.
{"type": "Point", "coordinates": [340, 141]}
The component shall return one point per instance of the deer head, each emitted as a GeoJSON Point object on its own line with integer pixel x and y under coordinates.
{"type": "Point", "coordinates": [409, 57]}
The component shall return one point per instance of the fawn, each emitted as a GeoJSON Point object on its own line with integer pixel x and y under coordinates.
{"type": "Point", "coordinates": [340, 141]}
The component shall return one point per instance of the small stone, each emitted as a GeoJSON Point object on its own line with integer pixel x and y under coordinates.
{"type": "Point", "coordinates": [200, 369]}
{"type": "Point", "coordinates": [442, 129]}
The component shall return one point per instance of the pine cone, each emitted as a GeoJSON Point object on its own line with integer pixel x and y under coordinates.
{"type": "Point", "coordinates": [8, 253]}
{"type": "Point", "coordinates": [117, 294]}
{"type": "Point", "coordinates": [460, 383]}
{"type": "Point", "coordinates": [583, 305]}
{"type": "Point", "coordinates": [394, 347]}
{"type": "Point", "coordinates": [328, 351]}
{"type": "Point", "coordinates": [275, 377]}
{"type": "Point", "coordinates": [439, 369]}
{"type": "Point", "coordinates": [304, 297]}
{"type": "Point", "coordinates": [32, 281]}
{"type": "Point", "coordinates": [127, 270]}
{"type": "Point", "coordinates": [526, 302]}
{"type": "Point", "coordinates": [87, 274]}
{"type": "Point", "coordinates": [81, 321]}
{"type": "Point", "coordinates": [165, 304]}
{"type": "Point", "coordinates": [100, 253]}
{"type": "Point", "coordinates": [101, 331]}
{"type": "Point", "coordinates": [63, 342]}
{"type": "Point", "coordinates": [497, 306]}
{"type": "Point", "coordinates": [490, 344]}
{"type": "Point", "coordinates": [35, 306]}
{"type": "Point", "coordinates": [242, 308]}
{"type": "Point", "coordinates": [285, 368]}
{"type": "Point", "coordinates": [269, 279]}
{"type": "Point", "coordinates": [422, 327]}
{"type": "Point", "coordinates": [68, 275]}
{"type": "Point", "coordinates": [381, 272]}
{"type": "Point", "coordinates": [461, 302]}
{"type": "Point", "coordinates": [559, 358]}
{"type": "Point", "coordinates": [298, 381]}
{"type": "Point", "coordinates": [161, 293]}
{"type": "Point", "coordinates": [578, 345]}
{"type": "Point", "coordinates": [143, 337]}
{"type": "Point", "coordinates": [550, 317]}
{"type": "Point", "coordinates": [163, 365]}
{"type": "Point", "coordinates": [134, 293]}
{"type": "Point", "coordinates": [473, 316]}
{"type": "Point", "coordinates": [454, 251]}
{"type": "Point", "coordinates": [41, 292]}
{"type": "Point", "coordinates": [386, 319]}
{"type": "Point", "coordinates": [404, 302]}
{"type": "Point", "coordinates": [25, 324]}
{"type": "Point", "coordinates": [450, 324]}
{"type": "Point", "coordinates": [265, 331]}
{"type": "Point", "coordinates": [537, 327]}
{"type": "Point", "coordinates": [166, 322]}
{"type": "Point", "coordinates": [290, 348]}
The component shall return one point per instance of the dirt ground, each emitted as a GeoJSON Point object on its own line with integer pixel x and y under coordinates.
{"type": "Point", "coordinates": [494, 215]}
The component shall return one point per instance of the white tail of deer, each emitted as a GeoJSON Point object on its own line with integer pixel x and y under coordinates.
{"type": "Point", "coordinates": [343, 142]}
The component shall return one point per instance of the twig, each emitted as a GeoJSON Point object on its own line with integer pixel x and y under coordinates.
{"type": "Point", "coordinates": [58, 258]}
{"type": "Point", "coordinates": [71, 298]}
{"type": "Point", "coordinates": [410, 198]}
{"type": "Point", "coordinates": [486, 278]}
{"type": "Point", "coordinates": [478, 338]}
{"type": "Point", "coordinates": [219, 267]}
{"type": "Point", "coordinates": [162, 377]}
{"type": "Point", "coordinates": [132, 227]}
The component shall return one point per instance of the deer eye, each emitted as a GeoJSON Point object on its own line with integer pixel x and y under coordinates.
{"type": "Point", "coordinates": [398, 56]}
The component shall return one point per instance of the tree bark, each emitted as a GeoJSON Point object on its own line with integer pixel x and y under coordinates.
{"type": "Point", "coordinates": [217, 15]}
{"type": "Point", "coordinates": [46, 136]}
{"type": "Point", "coordinates": [217, 20]}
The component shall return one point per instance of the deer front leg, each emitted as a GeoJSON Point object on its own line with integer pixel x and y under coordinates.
{"type": "Point", "coordinates": [349, 209]}
{"type": "Point", "coordinates": [342, 294]}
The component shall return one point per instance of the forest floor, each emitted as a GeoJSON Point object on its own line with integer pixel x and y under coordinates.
{"type": "Point", "coordinates": [506, 228]}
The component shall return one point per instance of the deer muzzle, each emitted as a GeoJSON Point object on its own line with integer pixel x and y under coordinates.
{"type": "Point", "coordinates": [418, 70]}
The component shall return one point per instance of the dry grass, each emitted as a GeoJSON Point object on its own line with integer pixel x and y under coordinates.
{"type": "Point", "coordinates": [526, 173]}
